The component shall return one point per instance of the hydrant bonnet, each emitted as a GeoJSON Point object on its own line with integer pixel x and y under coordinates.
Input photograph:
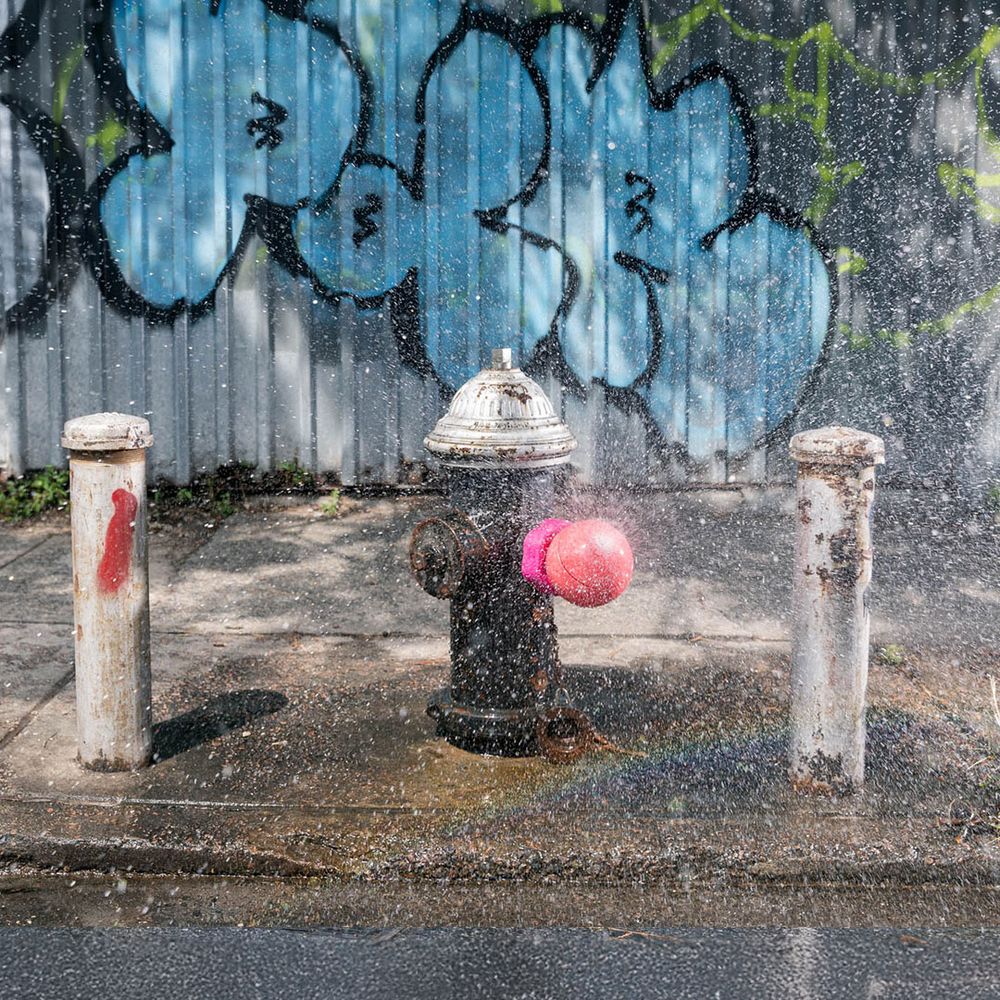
{"type": "Point", "coordinates": [499, 418]}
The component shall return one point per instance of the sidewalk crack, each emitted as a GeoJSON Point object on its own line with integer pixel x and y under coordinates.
{"type": "Point", "coordinates": [25, 720]}
{"type": "Point", "coordinates": [20, 555]}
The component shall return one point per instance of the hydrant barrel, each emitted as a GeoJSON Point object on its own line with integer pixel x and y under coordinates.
{"type": "Point", "coordinates": [503, 641]}
{"type": "Point", "coordinates": [107, 460]}
{"type": "Point", "coordinates": [830, 615]}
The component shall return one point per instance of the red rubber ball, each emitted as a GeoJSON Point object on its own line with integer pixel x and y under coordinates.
{"type": "Point", "coordinates": [589, 563]}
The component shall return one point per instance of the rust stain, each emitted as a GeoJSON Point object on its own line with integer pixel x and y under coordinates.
{"type": "Point", "coordinates": [516, 392]}
{"type": "Point", "coordinates": [822, 775]}
{"type": "Point", "coordinates": [847, 558]}
{"type": "Point", "coordinates": [805, 505]}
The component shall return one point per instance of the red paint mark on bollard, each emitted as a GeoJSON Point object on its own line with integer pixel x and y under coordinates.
{"type": "Point", "coordinates": [117, 558]}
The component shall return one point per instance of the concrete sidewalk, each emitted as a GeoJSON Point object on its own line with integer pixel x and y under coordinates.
{"type": "Point", "coordinates": [293, 657]}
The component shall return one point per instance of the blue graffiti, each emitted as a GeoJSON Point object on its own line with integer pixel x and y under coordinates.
{"type": "Point", "coordinates": [691, 294]}
{"type": "Point", "coordinates": [525, 180]}
{"type": "Point", "coordinates": [442, 219]}
{"type": "Point", "coordinates": [220, 74]}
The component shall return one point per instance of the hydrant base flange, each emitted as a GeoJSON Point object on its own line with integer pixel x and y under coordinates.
{"type": "Point", "coordinates": [498, 732]}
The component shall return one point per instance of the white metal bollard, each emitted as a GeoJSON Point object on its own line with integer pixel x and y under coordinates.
{"type": "Point", "coordinates": [107, 463]}
{"type": "Point", "coordinates": [830, 614]}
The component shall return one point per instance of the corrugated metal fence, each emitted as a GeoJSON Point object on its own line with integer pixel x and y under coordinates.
{"type": "Point", "coordinates": [288, 230]}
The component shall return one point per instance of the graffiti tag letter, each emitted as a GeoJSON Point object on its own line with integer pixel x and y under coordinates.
{"type": "Point", "coordinates": [272, 136]}
{"type": "Point", "coordinates": [635, 204]}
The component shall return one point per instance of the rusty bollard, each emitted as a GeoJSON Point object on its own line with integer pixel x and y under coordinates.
{"type": "Point", "coordinates": [830, 615]}
{"type": "Point", "coordinates": [107, 463]}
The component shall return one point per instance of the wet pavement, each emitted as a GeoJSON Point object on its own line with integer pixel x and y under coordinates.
{"type": "Point", "coordinates": [293, 658]}
{"type": "Point", "coordinates": [546, 964]}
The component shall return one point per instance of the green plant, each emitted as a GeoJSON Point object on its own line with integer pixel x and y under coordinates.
{"type": "Point", "coordinates": [292, 476]}
{"type": "Point", "coordinates": [223, 506]}
{"type": "Point", "coordinates": [215, 495]}
{"type": "Point", "coordinates": [892, 655]}
{"type": "Point", "coordinates": [993, 498]}
{"type": "Point", "coordinates": [31, 494]}
{"type": "Point", "coordinates": [330, 506]}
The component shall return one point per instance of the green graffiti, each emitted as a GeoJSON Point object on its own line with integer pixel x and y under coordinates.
{"type": "Point", "coordinates": [811, 108]}
{"type": "Point", "coordinates": [811, 55]}
{"type": "Point", "coordinates": [548, 6]}
{"type": "Point", "coordinates": [945, 323]}
{"type": "Point", "coordinates": [850, 262]}
{"type": "Point", "coordinates": [107, 137]}
{"type": "Point", "coordinates": [64, 77]}
{"type": "Point", "coordinates": [967, 182]}
{"type": "Point", "coordinates": [930, 328]}
{"type": "Point", "coordinates": [856, 340]}
{"type": "Point", "coordinates": [964, 182]}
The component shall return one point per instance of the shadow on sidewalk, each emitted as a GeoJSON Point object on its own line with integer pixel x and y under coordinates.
{"type": "Point", "coordinates": [215, 718]}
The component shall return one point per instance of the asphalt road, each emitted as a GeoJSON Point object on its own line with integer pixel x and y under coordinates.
{"type": "Point", "coordinates": [498, 964]}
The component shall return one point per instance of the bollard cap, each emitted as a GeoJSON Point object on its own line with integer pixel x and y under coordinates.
{"type": "Point", "coordinates": [106, 432]}
{"type": "Point", "coordinates": [837, 446]}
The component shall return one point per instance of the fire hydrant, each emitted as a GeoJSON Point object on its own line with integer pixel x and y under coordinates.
{"type": "Point", "coordinates": [505, 451]}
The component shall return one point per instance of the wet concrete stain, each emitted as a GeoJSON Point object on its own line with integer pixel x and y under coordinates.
{"type": "Point", "coordinates": [714, 745]}
{"type": "Point", "coordinates": [347, 777]}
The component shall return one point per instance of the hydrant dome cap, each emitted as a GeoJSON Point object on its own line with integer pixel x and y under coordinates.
{"type": "Point", "coordinates": [501, 417]}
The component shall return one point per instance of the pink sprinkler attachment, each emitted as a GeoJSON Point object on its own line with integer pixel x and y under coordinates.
{"type": "Point", "coordinates": [588, 563]}
{"type": "Point", "coordinates": [536, 548]}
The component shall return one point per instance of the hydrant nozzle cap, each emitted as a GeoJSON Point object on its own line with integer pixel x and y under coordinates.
{"type": "Point", "coordinates": [501, 418]}
{"type": "Point", "coordinates": [837, 446]}
{"type": "Point", "coordinates": [106, 432]}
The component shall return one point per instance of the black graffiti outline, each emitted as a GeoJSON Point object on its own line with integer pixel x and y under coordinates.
{"type": "Point", "coordinates": [21, 34]}
{"type": "Point", "coordinates": [635, 205]}
{"type": "Point", "coordinates": [271, 222]}
{"type": "Point", "coordinates": [547, 357]}
{"type": "Point", "coordinates": [366, 226]}
{"type": "Point", "coordinates": [65, 178]}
